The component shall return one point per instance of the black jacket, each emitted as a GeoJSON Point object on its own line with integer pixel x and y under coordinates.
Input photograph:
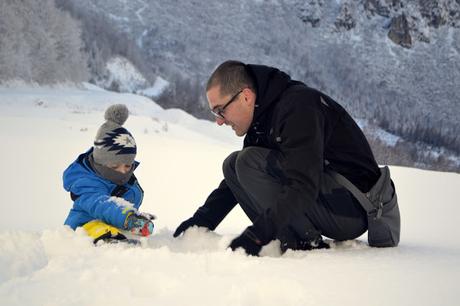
{"type": "Point", "coordinates": [308, 128]}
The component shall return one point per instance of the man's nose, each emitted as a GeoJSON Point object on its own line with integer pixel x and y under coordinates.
{"type": "Point", "coordinates": [220, 121]}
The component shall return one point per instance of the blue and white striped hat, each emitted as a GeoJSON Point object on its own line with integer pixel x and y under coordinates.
{"type": "Point", "coordinates": [114, 145]}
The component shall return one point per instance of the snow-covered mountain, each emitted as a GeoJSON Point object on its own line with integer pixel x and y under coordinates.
{"type": "Point", "coordinates": [393, 63]}
{"type": "Point", "coordinates": [43, 263]}
{"type": "Point", "coordinates": [122, 76]}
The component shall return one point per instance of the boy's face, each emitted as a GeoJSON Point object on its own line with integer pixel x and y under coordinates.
{"type": "Point", "coordinates": [122, 168]}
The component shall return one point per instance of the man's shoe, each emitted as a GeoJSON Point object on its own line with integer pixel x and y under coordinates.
{"type": "Point", "coordinates": [307, 245]}
{"type": "Point", "coordinates": [290, 241]}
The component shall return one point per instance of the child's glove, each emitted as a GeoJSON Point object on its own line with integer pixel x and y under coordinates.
{"type": "Point", "coordinates": [140, 224]}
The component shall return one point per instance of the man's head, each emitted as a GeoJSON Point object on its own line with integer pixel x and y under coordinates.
{"type": "Point", "coordinates": [231, 96]}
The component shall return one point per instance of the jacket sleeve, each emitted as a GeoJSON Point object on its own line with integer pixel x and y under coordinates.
{"type": "Point", "coordinates": [218, 204]}
{"type": "Point", "coordinates": [301, 143]}
{"type": "Point", "coordinates": [95, 200]}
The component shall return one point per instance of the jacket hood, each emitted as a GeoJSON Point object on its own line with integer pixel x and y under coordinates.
{"type": "Point", "coordinates": [76, 170]}
{"type": "Point", "coordinates": [81, 167]}
{"type": "Point", "coordinates": [270, 83]}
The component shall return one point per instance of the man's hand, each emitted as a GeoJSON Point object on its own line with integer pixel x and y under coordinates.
{"type": "Point", "coordinates": [140, 224]}
{"type": "Point", "coordinates": [248, 241]}
{"type": "Point", "coordinates": [196, 220]}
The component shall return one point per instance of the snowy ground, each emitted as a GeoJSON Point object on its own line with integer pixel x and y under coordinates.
{"type": "Point", "coordinates": [43, 263]}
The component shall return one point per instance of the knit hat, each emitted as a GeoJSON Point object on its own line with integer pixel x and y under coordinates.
{"type": "Point", "coordinates": [113, 143]}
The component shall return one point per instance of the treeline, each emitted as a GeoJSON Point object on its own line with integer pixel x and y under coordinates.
{"type": "Point", "coordinates": [54, 41]}
{"type": "Point", "coordinates": [397, 114]}
{"type": "Point", "coordinates": [102, 41]}
{"type": "Point", "coordinates": [389, 107]}
{"type": "Point", "coordinates": [40, 43]}
{"type": "Point", "coordinates": [421, 127]}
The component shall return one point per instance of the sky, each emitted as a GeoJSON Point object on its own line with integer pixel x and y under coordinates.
{"type": "Point", "coordinates": [43, 129]}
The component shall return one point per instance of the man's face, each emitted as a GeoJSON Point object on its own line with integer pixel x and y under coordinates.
{"type": "Point", "coordinates": [236, 110]}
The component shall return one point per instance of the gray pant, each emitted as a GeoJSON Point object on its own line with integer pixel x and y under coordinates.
{"type": "Point", "coordinates": [255, 178]}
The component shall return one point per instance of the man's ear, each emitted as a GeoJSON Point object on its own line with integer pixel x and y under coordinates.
{"type": "Point", "coordinates": [249, 96]}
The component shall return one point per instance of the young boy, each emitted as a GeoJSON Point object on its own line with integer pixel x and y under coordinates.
{"type": "Point", "coordinates": [102, 184]}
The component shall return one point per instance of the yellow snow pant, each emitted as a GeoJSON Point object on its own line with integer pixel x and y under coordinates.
{"type": "Point", "coordinates": [98, 230]}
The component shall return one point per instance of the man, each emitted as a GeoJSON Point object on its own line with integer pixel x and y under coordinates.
{"type": "Point", "coordinates": [292, 132]}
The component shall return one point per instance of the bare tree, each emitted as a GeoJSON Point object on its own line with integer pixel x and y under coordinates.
{"type": "Point", "coordinates": [39, 43]}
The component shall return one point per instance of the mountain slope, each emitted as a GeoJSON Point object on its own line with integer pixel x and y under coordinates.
{"type": "Point", "coordinates": [348, 49]}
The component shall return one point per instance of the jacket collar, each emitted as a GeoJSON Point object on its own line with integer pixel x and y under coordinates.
{"type": "Point", "coordinates": [270, 83]}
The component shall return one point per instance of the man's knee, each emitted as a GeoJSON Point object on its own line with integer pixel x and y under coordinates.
{"type": "Point", "coordinates": [228, 166]}
{"type": "Point", "coordinates": [256, 162]}
{"type": "Point", "coordinates": [239, 161]}
{"type": "Point", "coordinates": [250, 158]}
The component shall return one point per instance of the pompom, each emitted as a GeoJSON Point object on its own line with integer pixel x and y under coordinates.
{"type": "Point", "coordinates": [117, 113]}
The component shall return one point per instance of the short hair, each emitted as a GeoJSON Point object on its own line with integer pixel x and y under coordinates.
{"type": "Point", "coordinates": [231, 76]}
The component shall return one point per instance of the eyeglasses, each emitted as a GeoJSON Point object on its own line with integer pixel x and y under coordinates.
{"type": "Point", "coordinates": [220, 110]}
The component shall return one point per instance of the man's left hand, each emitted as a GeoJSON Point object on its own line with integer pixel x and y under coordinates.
{"type": "Point", "coordinates": [248, 241]}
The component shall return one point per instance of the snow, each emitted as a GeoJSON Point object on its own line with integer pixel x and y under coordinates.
{"type": "Point", "coordinates": [157, 89]}
{"type": "Point", "coordinates": [122, 202]}
{"type": "Point", "coordinates": [45, 263]}
{"type": "Point", "coordinates": [139, 12]}
{"type": "Point", "coordinates": [125, 74]}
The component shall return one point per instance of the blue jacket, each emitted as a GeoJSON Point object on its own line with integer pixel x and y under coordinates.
{"type": "Point", "coordinates": [93, 195]}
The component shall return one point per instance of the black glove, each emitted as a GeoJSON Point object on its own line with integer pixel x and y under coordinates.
{"type": "Point", "coordinates": [195, 220]}
{"type": "Point", "coordinates": [248, 241]}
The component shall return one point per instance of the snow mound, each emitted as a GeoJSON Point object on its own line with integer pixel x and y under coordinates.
{"type": "Point", "coordinates": [123, 76]}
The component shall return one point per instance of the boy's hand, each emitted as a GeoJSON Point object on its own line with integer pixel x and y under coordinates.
{"type": "Point", "coordinates": [140, 224]}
